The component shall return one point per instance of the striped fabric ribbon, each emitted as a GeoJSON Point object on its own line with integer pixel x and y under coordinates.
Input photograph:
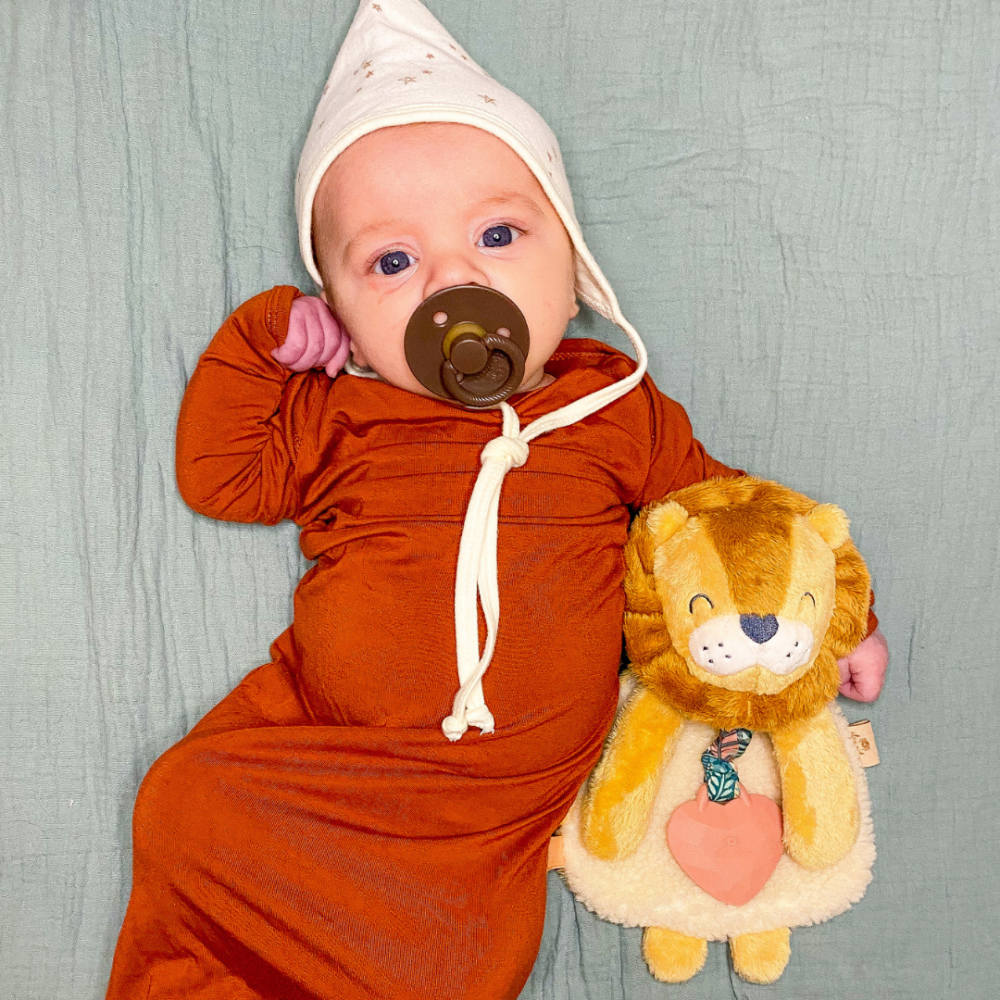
{"type": "Point", "coordinates": [720, 775]}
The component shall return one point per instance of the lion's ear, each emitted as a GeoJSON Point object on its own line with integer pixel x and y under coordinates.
{"type": "Point", "coordinates": [831, 523]}
{"type": "Point", "coordinates": [665, 521]}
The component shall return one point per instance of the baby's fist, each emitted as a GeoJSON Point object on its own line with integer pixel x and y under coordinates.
{"type": "Point", "coordinates": [315, 338]}
{"type": "Point", "coordinates": [863, 670]}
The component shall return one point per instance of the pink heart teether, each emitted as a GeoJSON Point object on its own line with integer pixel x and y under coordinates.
{"type": "Point", "coordinates": [729, 849]}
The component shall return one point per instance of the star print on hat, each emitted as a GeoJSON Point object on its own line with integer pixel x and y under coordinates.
{"type": "Point", "coordinates": [398, 66]}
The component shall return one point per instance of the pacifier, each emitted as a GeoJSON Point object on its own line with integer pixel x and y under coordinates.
{"type": "Point", "coordinates": [468, 343]}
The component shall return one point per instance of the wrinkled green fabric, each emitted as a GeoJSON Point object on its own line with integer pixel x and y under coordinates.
{"type": "Point", "coordinates": [797, 205]}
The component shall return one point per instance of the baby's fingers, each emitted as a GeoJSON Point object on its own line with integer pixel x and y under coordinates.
{"type": "Point", "coordinates": [304, 341]}
{"type": "Point", "coordinates": [291, 350]}
{"type": "Point", "coordinates": [862, 672]}
{"type": "Point", "coordinates": [315, 323]}
{"type": "Point", "coordinates": [333, 353]}
{"type": "Point", "coordinates": [340, 355]}
{"type": "Point", "coordinates": [314, 340]}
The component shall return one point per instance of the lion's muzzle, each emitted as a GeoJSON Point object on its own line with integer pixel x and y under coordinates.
{"type": "Point", "coordinates": [726, 645]}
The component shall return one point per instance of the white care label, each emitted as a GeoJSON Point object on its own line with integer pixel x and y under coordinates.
{"type": "Point", "coordinates": [864, 742]}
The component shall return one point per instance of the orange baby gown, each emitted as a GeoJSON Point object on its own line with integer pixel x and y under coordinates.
{"type": "Point", "coordinates": [316, 835]}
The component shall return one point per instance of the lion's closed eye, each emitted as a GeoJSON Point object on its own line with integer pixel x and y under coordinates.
{"type": "Point", "coordinates": [695, 598]}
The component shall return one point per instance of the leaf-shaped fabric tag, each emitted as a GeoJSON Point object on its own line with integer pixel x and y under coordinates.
{"type": "Point", "coordinates": [720, 775]}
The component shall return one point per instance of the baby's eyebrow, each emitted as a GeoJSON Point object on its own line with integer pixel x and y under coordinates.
{"type": "Point", "coordinates": [511, 197]}
{"type": "Point", "coordinates": [368, 230]}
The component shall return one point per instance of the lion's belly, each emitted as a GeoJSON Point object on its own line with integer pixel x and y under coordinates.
{"type": "Point", "coordinates": [648, 889]}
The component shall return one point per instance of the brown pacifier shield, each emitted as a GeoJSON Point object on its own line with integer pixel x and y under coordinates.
{"type": "Point", "coordinates": [464, 356]}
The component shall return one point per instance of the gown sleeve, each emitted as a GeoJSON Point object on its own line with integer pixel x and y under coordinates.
{"type": "Point", "coordinates": [677, 459]}
{"type": "Point", "coordinates": [237, 433]}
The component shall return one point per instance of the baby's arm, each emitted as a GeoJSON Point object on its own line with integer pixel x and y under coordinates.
{"type": "Point", "coordinates": [677, 458]}
{"type": "Point", "coordinates": [242, 413]}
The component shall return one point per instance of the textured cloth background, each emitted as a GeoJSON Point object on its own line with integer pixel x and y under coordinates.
{"type": "Point", "coordinates": [797, 205]}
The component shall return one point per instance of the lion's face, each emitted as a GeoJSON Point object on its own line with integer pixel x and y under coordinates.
{"type": "Point", "coordinates": [742, 594]}
{"type": "Point", "coordinates": [751, 618]}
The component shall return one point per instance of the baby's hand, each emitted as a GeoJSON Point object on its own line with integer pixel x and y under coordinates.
{"type": "Point", "coordinates": [315, 338]}
{"type": "Point", "coordinates": [863, 671]}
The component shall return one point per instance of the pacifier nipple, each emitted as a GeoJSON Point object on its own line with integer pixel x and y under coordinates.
{"type": "Point", "coordinates": [468, 343]}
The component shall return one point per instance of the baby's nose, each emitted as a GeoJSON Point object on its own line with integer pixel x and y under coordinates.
{"type": "Point", "coordinates": [453, 270]}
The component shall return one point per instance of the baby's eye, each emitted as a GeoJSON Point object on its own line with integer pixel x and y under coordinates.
{"type": "Point", "coordinates": [498, 236]}
{"type": "Point", "coordinates": [393, 262]}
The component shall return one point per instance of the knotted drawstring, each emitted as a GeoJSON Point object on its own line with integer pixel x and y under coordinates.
{"type": "Point", "coordinates": [476, 577]}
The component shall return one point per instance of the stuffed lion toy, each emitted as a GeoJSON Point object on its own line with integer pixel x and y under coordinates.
{"type": "Point", "coordinates": [729, 802]}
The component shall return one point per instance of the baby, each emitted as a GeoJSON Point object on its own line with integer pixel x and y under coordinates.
{"type": "Point", "coordinates": [316, 834]}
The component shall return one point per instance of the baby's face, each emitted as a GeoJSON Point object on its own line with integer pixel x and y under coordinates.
{"type": "Point", "coordinates": [409, 210]}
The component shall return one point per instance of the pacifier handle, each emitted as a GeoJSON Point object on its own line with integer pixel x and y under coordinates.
{"type": "Point", "coordinates": [468, 343]}
{"type": "Point", "coordinates": [466, 350]}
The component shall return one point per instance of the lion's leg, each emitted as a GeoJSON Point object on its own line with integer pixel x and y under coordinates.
{"type": "Point", "coordinates": [761, 958]}
{"type": "Point", "coordinates": [672, 957]}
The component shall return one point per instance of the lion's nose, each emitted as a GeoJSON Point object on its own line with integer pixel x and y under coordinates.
{"type": "Point", "coordinates": [757, 628]}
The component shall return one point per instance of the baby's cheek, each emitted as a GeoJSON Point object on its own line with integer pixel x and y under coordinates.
{"type": "Point", "coordinates": [545, 339]}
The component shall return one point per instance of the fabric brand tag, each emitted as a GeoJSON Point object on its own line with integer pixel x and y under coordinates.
{"type": "Point", "coordinates": [864, 742]}
{"type": "Point", "coordinates": [557, 856]}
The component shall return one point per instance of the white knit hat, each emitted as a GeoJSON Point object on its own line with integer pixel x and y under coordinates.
{"type": "Point", "coordinates": [399, 66]}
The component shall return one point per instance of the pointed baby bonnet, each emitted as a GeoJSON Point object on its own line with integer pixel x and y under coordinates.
{"type": "Point", "coordinates": [398, 66]}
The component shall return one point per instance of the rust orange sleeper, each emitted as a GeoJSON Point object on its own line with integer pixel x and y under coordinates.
{"type": "Point", "coordinates": [315, 835]}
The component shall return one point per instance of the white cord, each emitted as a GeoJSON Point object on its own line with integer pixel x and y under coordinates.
{"type": "Point", "coordinates": [476, 576]}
